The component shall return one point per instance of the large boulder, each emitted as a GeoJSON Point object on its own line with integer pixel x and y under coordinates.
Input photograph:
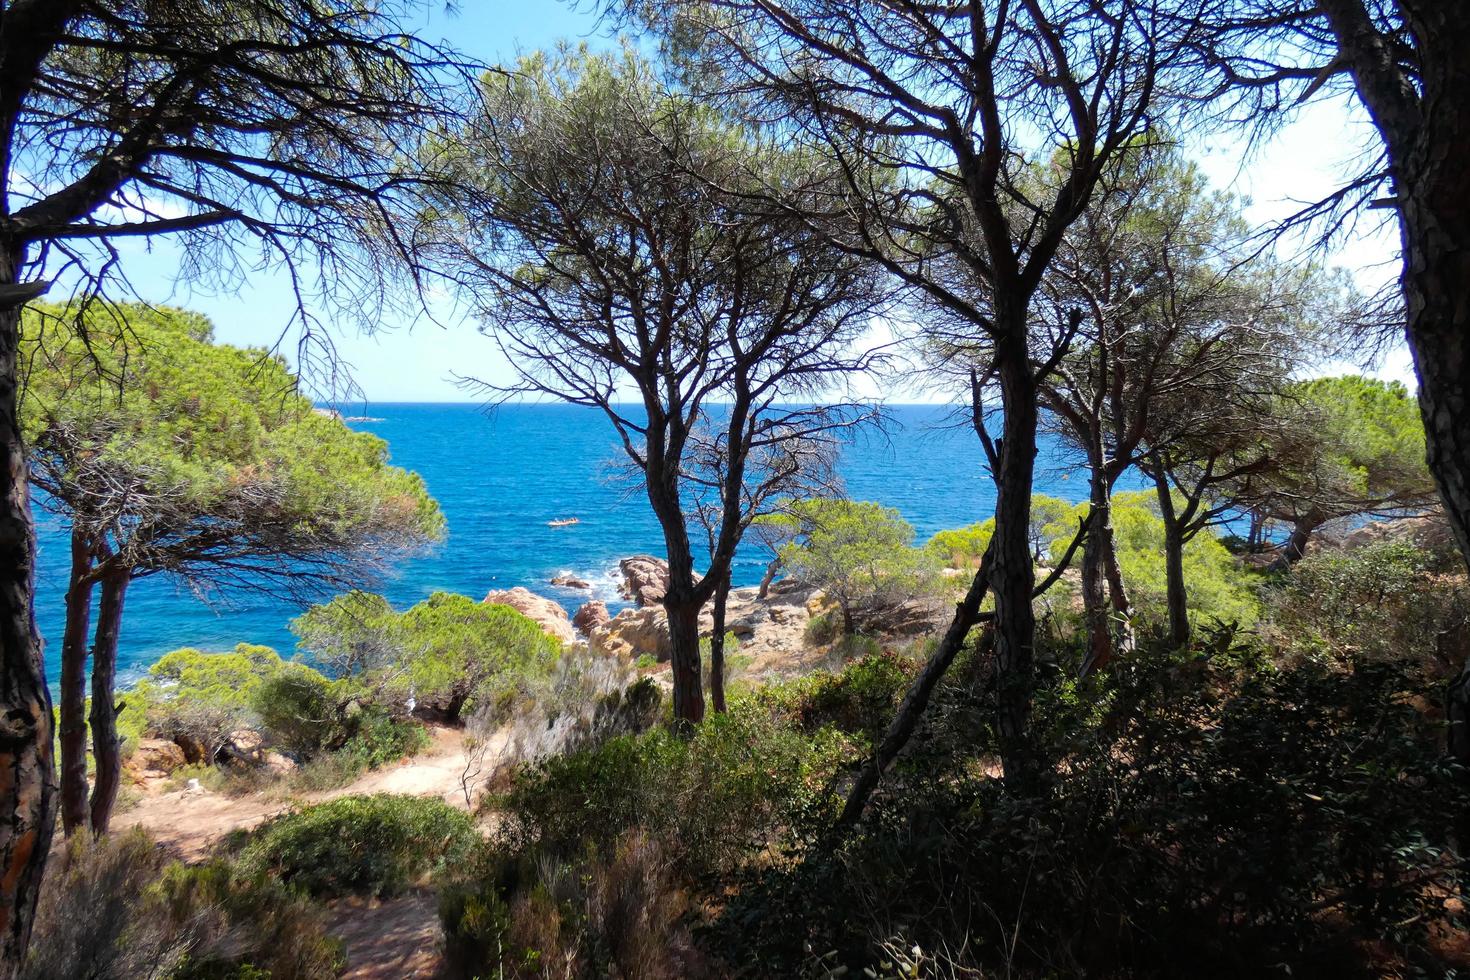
{"type": "Point", "coordinates": [590, 615]}
{"type": "Point", "coordinates": [645, 579]}
{"type": "Point", "coordinates": [548, 614]}
{"type": "Point", "coordinates": [156, 757]}
{"type": "Point", "coordinates": [633, 633]}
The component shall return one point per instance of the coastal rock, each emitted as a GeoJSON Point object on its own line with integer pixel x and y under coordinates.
{"type": "Point", "coordinates": [633, 633]}
{"type": "Point", "coordinates": [645, 579]}
{"type": "Point", "coordinates": [279, 764]}
{"type": "Point", "coordinates": [548, 614]}
{"type": "Point", "coordinates": [156, 757]}
{"type": "Point", "coordinates": [571, 582]}
{"type": "Point", "coordinates": [243, 746]}
{"type": "Point", "coordinates": [590, 615]}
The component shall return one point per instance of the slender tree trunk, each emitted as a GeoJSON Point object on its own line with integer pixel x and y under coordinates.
{"type": "Point", "coordinates": [717, 646]}
{"type": "Point", "coordinates": [27, 770]}
{"type": "Point", "coordinates": [1094, 577]}
{"type": "Point", "coordinates": [683, 616]}
{"type": "Point", "coordinates": [966, 614]}
{"type": "Point", "coordinates": [1013, 575]}
{"type": "Point", "coordinates": [764, 590]}
{"type": "Point", "coordinates": [1295, 548]}
{"type": "Point", "coordinates": [106, 748]}
{"type": "Point", "coordinates": [1123, 640]}
{"type": "Point", "coordinates": [73, 706]}
{"type": "Point", "coordinates": [1178, 595]}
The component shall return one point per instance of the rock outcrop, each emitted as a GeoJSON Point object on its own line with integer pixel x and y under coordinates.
{"type": "Point", "coordinates": [590, 615]}
{"type": "Point", "coordinates": [551, 617]}
{"type": "Point", "coordinates": [633, 633]}
{"type": "Point", "coordinates": [155, 757]}
{"type": "Point", "coordinates": [645, 579]}
{"type": "Point", "coordinates": [570, 582]}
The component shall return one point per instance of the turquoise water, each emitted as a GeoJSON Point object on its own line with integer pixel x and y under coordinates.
{"type": "Point", "coordinates": [500, 477]}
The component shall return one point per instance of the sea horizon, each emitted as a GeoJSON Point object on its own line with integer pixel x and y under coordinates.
{"type": "Point", "coordinates": [500, 474]}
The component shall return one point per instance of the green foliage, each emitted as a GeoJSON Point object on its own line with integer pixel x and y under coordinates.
{"type": "Point", "coordinates": [856, 551]}
{"type": "Point", "coordinates": [598, 915]}
{"type": "Point", "coordinates": [368, 845]}
{"type": "Point", "coordinates": [711, 798]}
{"type": "Point", "coordinates": [859, 701]}
{"type": "Point", "coordinates": [448, 652]}
{"type": "Point", "coordinates": [1219, 588]}
{"type": "Point", "coordinates": [193, 696]}
{"type": "Point", "coordinates": [114, 907]}
{"type": "Point", "coordinates": [962, 547]}
{"type": "Point", "coordinates": [1347, 445]}
{"type": "Point", "coordinates": [300, 709]}
{"type": "Point", "coordinates": [1202, 819]}
{"type": "Point", "coordinates": [209, 446]}
{"type": "Point", "coordinates": [1389, 600]}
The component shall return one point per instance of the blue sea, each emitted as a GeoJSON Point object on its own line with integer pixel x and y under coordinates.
{"type": "Point", "coordinates": [500, 476]}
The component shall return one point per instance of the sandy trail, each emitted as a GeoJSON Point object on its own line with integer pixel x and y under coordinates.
{"type": "Point", "coordinates": [191, 823]}
{"type": "Point", "coordinates": [385, 940]}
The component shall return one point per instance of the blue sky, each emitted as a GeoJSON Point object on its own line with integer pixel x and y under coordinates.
{"type": "Point", "coordinates": [418, 361]}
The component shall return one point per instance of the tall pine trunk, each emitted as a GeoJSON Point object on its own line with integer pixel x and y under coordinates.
{"type": "Point", "coordinates": [106, 749]}
{"type": "Point", "coordinates": [1177, 594]}
{"type": "Point", "coordinates": [27, 770]}
{"type": "Point", "coordinates": [683, 616]}
{"type": "Point", "coordinates": [1013, 575]}
{"type": "Point", "coordinates": [717, 645]}
{"type": "Point", "coordinates": [1094, 575]}
{"type": "Point", "coordinates": [73, 706]}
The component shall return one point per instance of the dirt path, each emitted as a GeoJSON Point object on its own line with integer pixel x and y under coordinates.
{"type": "Point", "coordinates": [190, 823]}
{"type": "Point", "coordinates": [385, 940]}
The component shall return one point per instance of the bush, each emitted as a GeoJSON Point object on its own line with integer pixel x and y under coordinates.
{"type": "Point", "coordinates": [820, 630]}
{"type": "Point", "coordinates": [1200, 820]}
{"type": "Point", "coordinates": [370, 845]}
{"type": "Point", "coordinates": [1389, 600]}
{"type": "Point", "coordinates": [861, 700]}
{"type": "Point", "coordinates": [114, 909]}
{"type": "Point", "coordinates": [740, 783]}
{"type": "Point", "coordinates": [449, 652]}
{"type": "Point", "coordinates": [528, 916]}
{"type": "Point", "coordinates": [198, 699]}
{"type": "Point", "coordinates": [298, 707]}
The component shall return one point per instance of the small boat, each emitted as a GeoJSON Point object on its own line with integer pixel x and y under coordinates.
{"type": "Point", "coordinates": [564, 522]}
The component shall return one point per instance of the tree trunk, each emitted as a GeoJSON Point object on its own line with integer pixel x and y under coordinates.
{"type": "Point", "coordinates": [1295, 548]}
{"type": "Point", "coordinates": [1094, 577]}
{"type": "Point", "coordinates": [765, 587]}
{"type": "Point", "coordinates": [27, 770]}
{"type": "Point", "coordinates": [1123, 641]}
{"type": "Point", "coordinates": [73, 706]}
{"type": "Point", "coordinates": [1178, 595]}
{"type": "Point", "coordinates": [683, 616]}
{"type": "Point", "coordinates": [1013, 575]}
{"type": "Point", "coordinates": [966, 614]}
{"type": "Point", "coordinates": [106, 749]}
{"type": "Point", "coordinates": [717, 646]}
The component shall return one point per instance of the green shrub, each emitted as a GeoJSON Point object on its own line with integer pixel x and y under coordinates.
{"type": "Point", "coordinates": [298, 708]}
{"type": "Point", "coordinates": [527, 915]}
{"type": "Point", "coordinates": [861, 700]}
{"type": "Point", "coordinates": [1199, 819]}
{"type": "Point", "coordinates": [962, 547]}
{"type": "Point", "coordinates": [1390, 600]}
{"type": "Point", "coordinates": [199, 698]}
{"type": "Point", "coordinates": [820, 630]}
{"type": "Point", "coordinates": [371, 845]}
{"type": "Point", "coordinates": [449, 652]}
{"type": "Point", "coordinates": [734, 786]}
{"type": "Point", "coordinates": [114, 907]}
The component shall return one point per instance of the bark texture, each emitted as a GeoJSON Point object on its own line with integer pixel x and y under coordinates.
{"type": "Point", "coordinates": [73, 706]}
{"type": "Point", "coordinates": [1013, 574]}
{"type": "Point", "coordinates": [106, 749]}
{"type": "Point", "coordinates": [27, 770]}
